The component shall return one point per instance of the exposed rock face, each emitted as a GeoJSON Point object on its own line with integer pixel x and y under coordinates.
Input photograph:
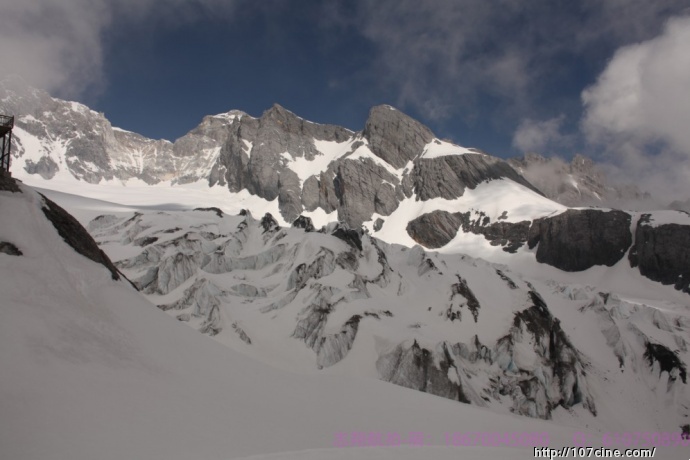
{"type": "Point", "coordinates": [394, 137]}
{"type": "Point", "coordinates": [448, 176]}
{"type": "Point", "coordinates": [76, 236]}
{"type": "Point", "coordinates": [438, 228]}
{"type": "Point", "coordinates": [304, 223]}
{"type": "Point", "coordinates": [364, 188]}
{"type": "Point", "coordinates": [268, 223]}
{"type": "Point", "coordinates": [662, 253]}
{"type": "Point", "coordinates": [348, 235]}
{"type": "Point", "coordinates": [667, 361]}
{"type": "Point", "coordinates": [434, 229]}
{"type": "Point", "coordinates": [10, 249]}
{"type": "Point", "coordinates": [464, 290]}
{"type": "Point", "coordinates": [218, 212]}
{"type": "Point", "coordinates": [7, 183]}
{"type": "Point", "coordinates": [579, 239]}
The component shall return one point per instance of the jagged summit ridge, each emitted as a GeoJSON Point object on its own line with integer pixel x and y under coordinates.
{"type": "Point", "coordinates": [395, 137]}
{"type": "Point", "coordinates": [305, 166]}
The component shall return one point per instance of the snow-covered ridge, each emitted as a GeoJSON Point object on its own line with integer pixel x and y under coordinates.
{"type": "Point", "coordinates": [438, 148]}
{"type": "Point", "coordinates": [318, 169]}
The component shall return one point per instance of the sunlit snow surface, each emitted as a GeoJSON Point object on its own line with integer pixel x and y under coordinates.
{"type": "Point", "coordinates": [438, 148]}
{"type": "Point", "coordinates": [90, 369]}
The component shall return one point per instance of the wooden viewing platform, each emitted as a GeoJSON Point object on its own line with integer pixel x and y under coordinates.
{"type": "Point", "coordinates": [6, 125]}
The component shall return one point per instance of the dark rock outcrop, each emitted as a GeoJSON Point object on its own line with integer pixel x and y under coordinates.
{"type": "Point", "coordinates": [394, 137]}
{"type": "Point", "coordinates": [7, 183]}
{"type": "Point", "coordinates": [364, 188]}
{"type": "Point", "coordinates": [448, 176]}
{"type": "Point", "coordinates": [268, 223]}
{"type": "Point", "coordinates": [10, 249]}
{"type": "Point", "coordinates": [348, 235]}
{"type": "Point", "coordinates": [668, 361]}
{"type": "Point", "coordinates": [435, 229]}
{"type": "Point", "coordinates": [464, 290]}
{"type": "Point", "coordinates": [438, 228]}
{"type": "Point", "coordinates": [662, 253]}
{"type": "Point", "coordinates": [218, 211]}
{"type": "Point", "coordinates": [580, 239]}
{"type": "Point", "coordinates": [76, 236]}
{"type": "Point", "coordinates": [304, 223]}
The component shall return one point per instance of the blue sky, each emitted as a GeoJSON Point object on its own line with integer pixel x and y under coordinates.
{"type": "Point", "coordinates": [507, 76]}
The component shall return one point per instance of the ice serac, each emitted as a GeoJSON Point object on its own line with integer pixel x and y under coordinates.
{"type": "Point", "coordinates": [580, 239]}
{"type": "Point", "coordinates": [394, 137]}
{"type": "Point", "coordinates": [446, 324]}
{"type": "Point", "coordinates": [662, 252]}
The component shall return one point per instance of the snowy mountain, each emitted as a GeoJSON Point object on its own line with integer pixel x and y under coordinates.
{"type": "Point", "coordinates": [394, 177]}
{"type": "Point", "coordinates": [578, 183]}
{"type": "Point", "coordinates": [307, 167]}
{"type": "Point", "coordinates": [315, 254]}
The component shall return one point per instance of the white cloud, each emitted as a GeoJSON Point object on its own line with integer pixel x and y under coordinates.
{"type": "Point", "coordinates": [540, 136]}
{"type": "Point", "coordinates": [638, 111]}
{"type": "Point", "coordinates": [644, 93]}
{"type": "Point", "coordinates": [57, 45]}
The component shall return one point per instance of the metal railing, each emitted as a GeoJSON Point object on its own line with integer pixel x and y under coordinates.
{"type": "Point", "coordinates": [6, 125]}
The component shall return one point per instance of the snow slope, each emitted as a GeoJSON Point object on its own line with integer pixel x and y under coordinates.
{"type": "Point", "coordinates": [90, 369]}
{"type": "Point", "coordinates": [639, 397]}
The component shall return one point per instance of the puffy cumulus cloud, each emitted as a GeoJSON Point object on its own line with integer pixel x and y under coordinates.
{"type": "Point", "coordinates": [53, 44]}
{"type": "Point", "coordinates": [58, 44]}
{"type": "Point", "coordinates": [643, 93]}
{"type": "Point", "coordinates": [638, 111]}
{"type": "Point", "coordinates": [541, 136]}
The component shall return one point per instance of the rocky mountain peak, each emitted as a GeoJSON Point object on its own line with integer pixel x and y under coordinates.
{"type": "Point", "coordinates": [395, 137]}
{"type": "Point", "coordinates": [279, 114]}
